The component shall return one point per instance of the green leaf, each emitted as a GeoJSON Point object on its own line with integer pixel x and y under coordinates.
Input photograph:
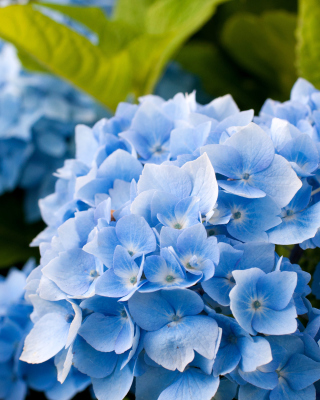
{"type": "Point", "coordinates": [67, 54]}
{"type": "Point", "coordinates": [15, 234]}
{"type": "Point", "coordinates": [308, 35]}
{"type": "Point", "coordinates": [151, 30]}
{"type": "Point", "coordinates": [132, 12]}
{"type": "Point", "coordinates": [132, 48]}
{"type": "Point", "coordinates": [30, 63]}
{"type": "Point", "coordinates": [264, 46]}
{"type": "Point", "coordinates": [113, 36]}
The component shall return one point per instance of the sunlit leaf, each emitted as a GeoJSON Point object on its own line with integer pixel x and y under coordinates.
{"type": "Point", "coordinates": [67, 54]}
{"type": "Point", "coordinates": [308, 35]}
{"type": "Point", "coordinates": [132, 48]}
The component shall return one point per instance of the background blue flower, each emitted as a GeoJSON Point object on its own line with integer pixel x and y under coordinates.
{"type": "Point", "coordinates": [17, 377]}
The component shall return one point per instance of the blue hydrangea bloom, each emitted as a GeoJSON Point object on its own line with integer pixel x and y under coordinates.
{"type": "Point", "coordinates": [148, 254]}
{"type": "Point", "coordinates": [294, 128]}
{"type": "Point", "coordinates": [17, 377]}
{"type": "Point", "coordinates": [197, 253]}
{"type": "Point", "coordinates": [248, 160]}
{"type": "Point", "coordinates": [238, 348]}
{"type": "Point", "coordinates": [238, 257]}
{"type": "Point", "coordinates": [300, 219]}
{"type": "Point", "coordinates": [175, 330]}
{"type": "Point", "coordinates": [302, 289]}
{"type": "Point", "coordinates": [38, 114]}
{"type": "Point", "coordinates": [263, 303]}
{"type": "Point", "coordinates": [291, 373]}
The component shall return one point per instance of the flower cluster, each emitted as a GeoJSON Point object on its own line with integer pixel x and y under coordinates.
{"type": "Point", "coordinates": [158, 263]}
{"type": "Point", "coordinates": [18, 377]}
{"type": "Point", "coordinates": [38, 114]}
{"type": "Point", "coordinates": [294, 127]}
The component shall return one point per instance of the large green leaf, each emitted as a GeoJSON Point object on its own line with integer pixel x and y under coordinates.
{"type": "Point", "coordinates": [67, 54]}
{"type": "Point", "coordinates": [308, 35]}
{"type": "Point", "coordinates": [132, 48]}
{"type": "Point", "coordinates": [264, 46]}
{"type": "Point", "coordinates": [150, 30]}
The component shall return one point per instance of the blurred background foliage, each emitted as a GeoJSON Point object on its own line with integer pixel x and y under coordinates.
{"type": "Point", "coordinates": [251, 49]}
{"type": "Point", "coordinates": [246, 49]}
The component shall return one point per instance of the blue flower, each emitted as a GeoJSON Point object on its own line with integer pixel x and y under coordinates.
{"type": "Point", "coordinates": [237, 347]}
{"type": "Point", "coordinates": [109, 327]}
{"type": "Point", "coordinates": [38, 114]}
{"type": "Point", "coordinates": [196, 252]}
{"type": "Point", "coordinates": [250, 219]}
{"type": "Point", "coordinates": [165, 272]}
{"type": "Point", "coordinates": [220, 285]}
{"type": "Point", "coordinates": [16, 377]}
{"type": "Point", "coordinates": [192, 185]}
{"type": "Point", "coordinates": [123, 279]}
{"type": "Point", "coordinates": [300, 220]}
{"type": "Point", "coordinates": [239, 257]}
{"type": "Point", "coordinates": [290, 374]}
{"type": "Point", "coordinates": [159, 383]}
{"type": "Point", "coordinates": [174, 328]}
{"type": "Point", "coordinates": [247, 159]}
{"type": "Point", "coordinates": [263, 303]}
{"type": "Point", "coordinates": [55, 327]}
{"type": "Point", "coordinates": [150, 133]}
{"type": "Point", "coordinates": [302, 289]}
{"type": "Point", "coordinates": [131, 232]}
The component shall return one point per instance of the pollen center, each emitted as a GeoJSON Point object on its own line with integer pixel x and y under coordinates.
{"type": "Point", "coordinates": [246, 176]}
{"type": "Point", "coordinates": [256, 304]}
{"type": "Point", "coordinates": [169, 278]}
{"type": "Point", "coordinates": [177, 226]}
{"type": "Point", "coordinates": [94, 273]}
{"type": "Point", "coordinates": [158, 149]}
{"type": "Point", "coordinates": [133, 280]}
{"type": "Point", "coordinates": [289, 213]}
{"type": "Point", "coordinates": [189, 266]}
{"type": "Point", "coordinates": [237, 215]}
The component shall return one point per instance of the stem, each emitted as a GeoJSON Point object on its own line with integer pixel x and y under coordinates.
{"type": "Point", "coordinates": [315, 191]}
{"type": "Point", "coordinates": [296, 254]}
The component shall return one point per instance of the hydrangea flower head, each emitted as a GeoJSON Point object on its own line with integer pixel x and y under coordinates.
{"type": "Point", "coordinates": [153, 233]}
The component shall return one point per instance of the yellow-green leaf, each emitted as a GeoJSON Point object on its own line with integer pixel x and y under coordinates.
{"type": "Point", "coordinates": [132, 50]}
{"type": "Point", "coordinates": [308, 35]}
{"type": "Point", "coordinates": [67, 54]}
